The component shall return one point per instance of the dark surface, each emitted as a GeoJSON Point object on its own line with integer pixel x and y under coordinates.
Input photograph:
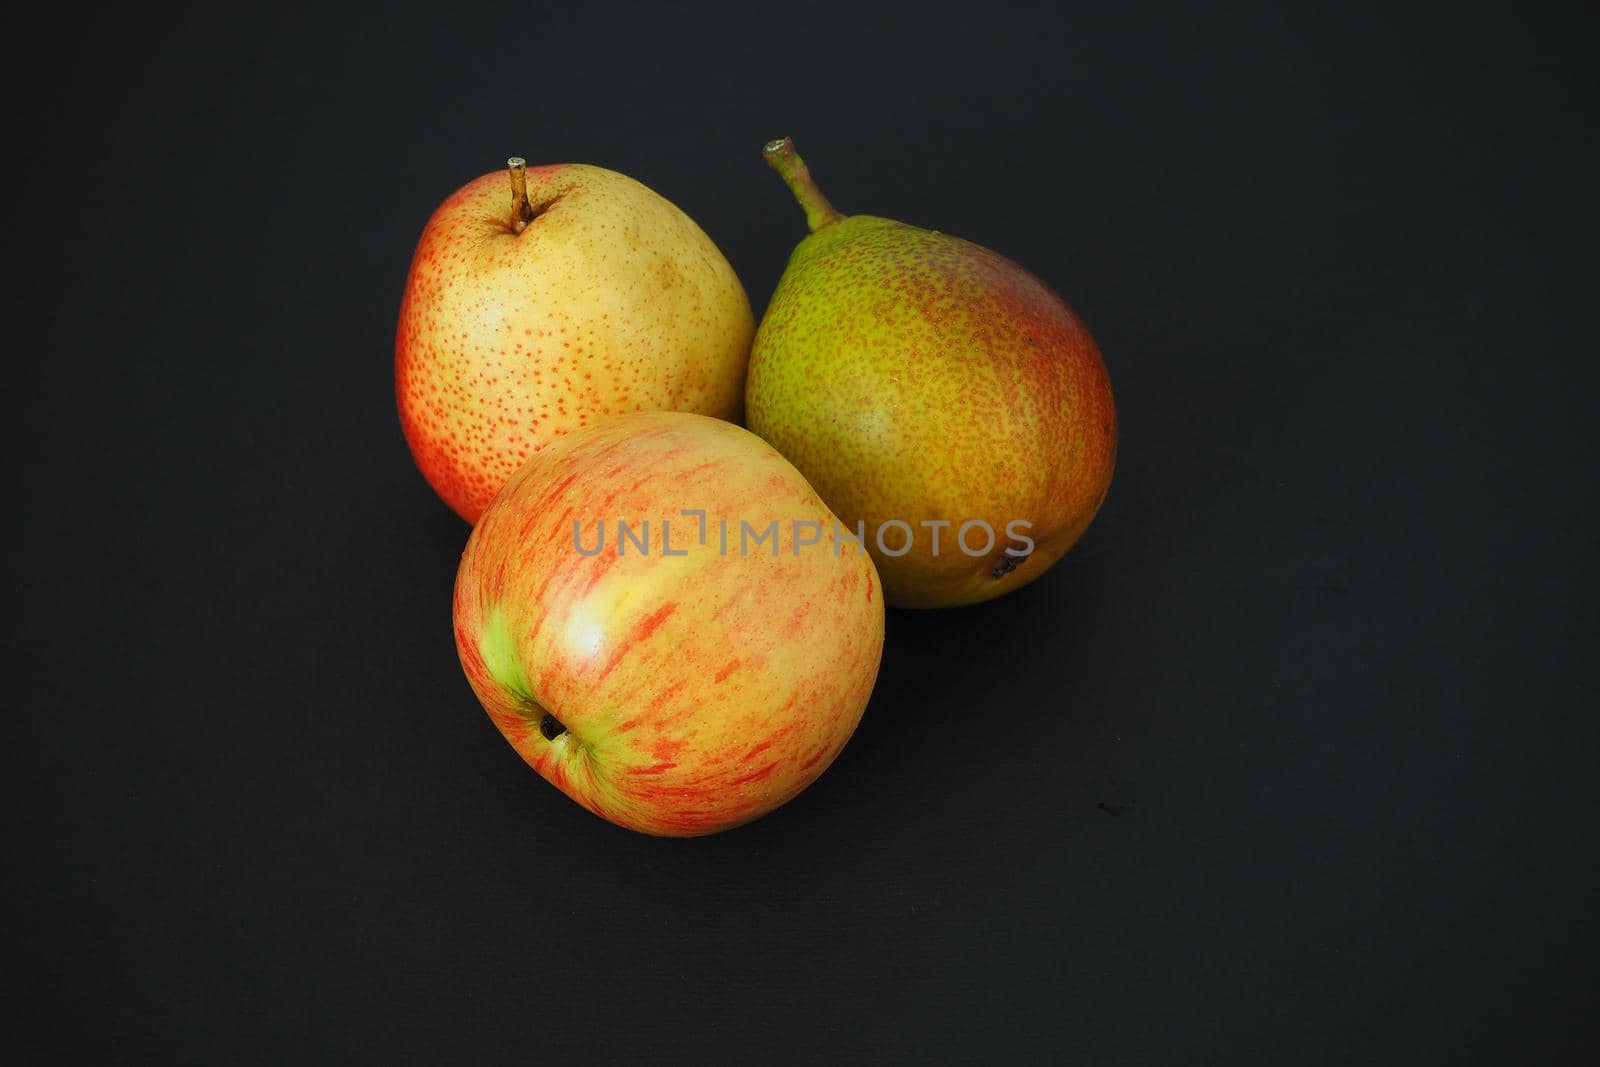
{"type": "Point", "coordinates": [1291, 761]}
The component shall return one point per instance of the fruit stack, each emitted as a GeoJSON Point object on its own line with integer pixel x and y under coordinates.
{"type": "Point", "coordinates": [675, 620]}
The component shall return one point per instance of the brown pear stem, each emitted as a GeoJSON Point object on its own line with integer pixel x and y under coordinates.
{"type": "Point", "coordinates": [521, 210]}
{"type": "Point", "coordinates": [781, 157]}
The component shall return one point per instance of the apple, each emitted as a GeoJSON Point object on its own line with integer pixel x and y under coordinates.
{"type": "Point", "coordinates": [528, 313]}
{"type": "Point", "coordinates": [667, 623]}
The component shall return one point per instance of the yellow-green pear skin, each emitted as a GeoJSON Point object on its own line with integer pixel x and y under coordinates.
{"type": "Point", "coordinates": [931, 390]}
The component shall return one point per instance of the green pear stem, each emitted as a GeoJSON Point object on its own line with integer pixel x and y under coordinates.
{"type": "Point", "coordinates": [521, 210]}
{"type": "Point", "coordinates": [781, 157]}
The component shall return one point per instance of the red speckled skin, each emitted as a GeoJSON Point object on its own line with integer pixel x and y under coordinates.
{"type": "Point", "coordinates": [698, 691]}
{"type": "Point", "coordinates": [611, 300]}
{"type": "Point", "coordinates": [915, 376]}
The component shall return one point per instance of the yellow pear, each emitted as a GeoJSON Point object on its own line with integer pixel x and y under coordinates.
{"type": "Point", "coordinates": [576, 294]}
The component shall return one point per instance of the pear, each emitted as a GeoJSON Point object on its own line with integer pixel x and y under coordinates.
{"type": "Point", "coordinates": [584, 295]}
{"type": "Point", "coordinates": [945, 403]}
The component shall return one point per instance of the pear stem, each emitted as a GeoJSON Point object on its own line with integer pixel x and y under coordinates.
{"type": "Point", "coordinates": [781, 157]}
{"type": "Point", "coordinates": [521, 210]}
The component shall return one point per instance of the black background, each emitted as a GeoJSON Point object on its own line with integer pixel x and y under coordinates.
{"type": "Point", "coordinates": [1289, 762]}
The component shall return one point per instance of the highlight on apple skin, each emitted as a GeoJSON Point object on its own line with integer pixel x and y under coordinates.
{"type": "Point", "coordinates": [688, 687]}
{"type": "Point", "coordinates": [536, 306]}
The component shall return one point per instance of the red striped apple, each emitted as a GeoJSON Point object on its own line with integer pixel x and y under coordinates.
{"type": "Point", "coordinates": [576, 294]}
{"type": "Point", "coordinates": [667, 623]}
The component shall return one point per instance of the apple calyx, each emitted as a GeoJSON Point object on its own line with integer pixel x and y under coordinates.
{"type": "Point", "coordinates": [781, 157]}
{"type": "Point", "coordinates": [498, 647]}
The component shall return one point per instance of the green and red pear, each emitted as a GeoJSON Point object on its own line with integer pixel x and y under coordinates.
{"type": "Point", "coordinates": [919, 379]}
